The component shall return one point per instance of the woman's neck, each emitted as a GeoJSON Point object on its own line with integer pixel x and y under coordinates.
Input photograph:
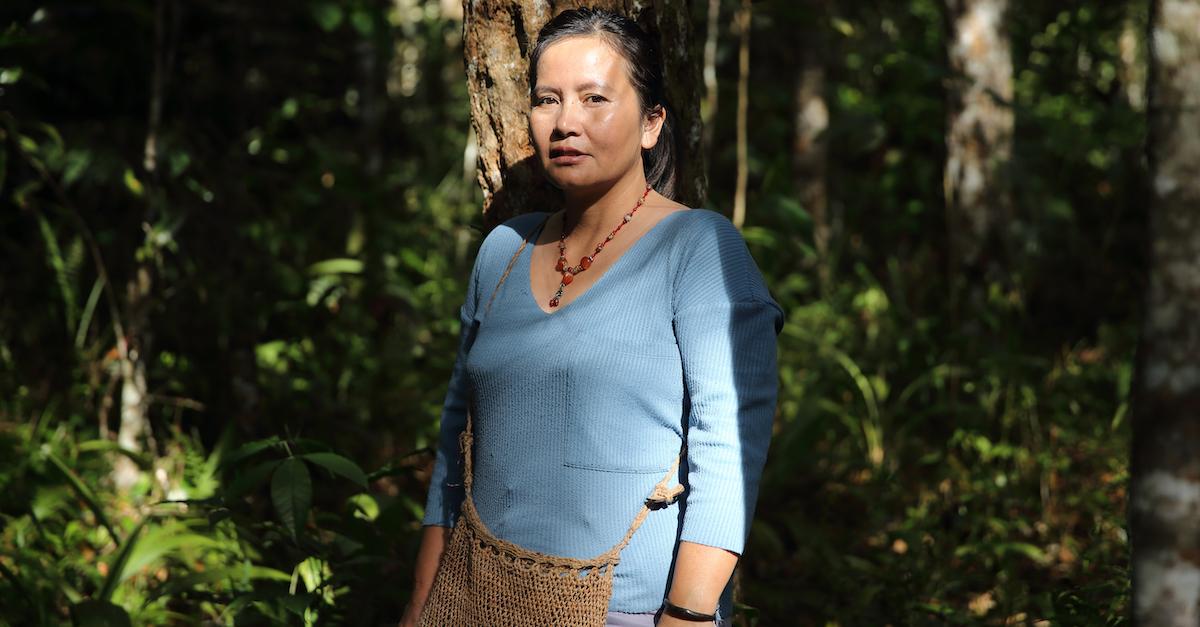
{"type": "Point", "coordinates": [594, 214]}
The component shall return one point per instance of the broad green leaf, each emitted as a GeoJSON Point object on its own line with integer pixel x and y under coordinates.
{"type": "Point", "coordinates": [10, 75]}
{"type": "Point", "coordinates": [248, 449]}
{"type": "Point", "coordinates": [132, 183]}
{"type": "Point", "coordinates": [336, 266]}
{"type": "Point", "coordinates": [291, 493]}
{"type": "Point", "coordinates": [365, 506]}
{"type": "Point", "coordinates": [250, 480]}
{"type": "Point", "coordinates": [338, 465]}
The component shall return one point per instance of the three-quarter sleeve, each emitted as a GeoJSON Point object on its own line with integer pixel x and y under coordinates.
{"type": "Point", "coordinates": [726, 325]}
{"type": "Point", "coordinates": [445, 484]}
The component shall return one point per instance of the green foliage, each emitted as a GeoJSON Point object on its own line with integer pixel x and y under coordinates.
{"type": "Point", "coordinates": [307, 230]}
{"type": "Point", "coordinates": [934, 464]}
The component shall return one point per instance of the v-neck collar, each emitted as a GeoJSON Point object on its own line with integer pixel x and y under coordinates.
{"type": "Point", "coordinates": [527, 264]}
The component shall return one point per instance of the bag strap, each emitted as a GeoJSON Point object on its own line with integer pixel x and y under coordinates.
{"type": "Point", "coordinates": [513, 261]}
{"type": "Point", "coordinates": [465, 439]}
{"type": "Point", "coordinates": [660, 497]}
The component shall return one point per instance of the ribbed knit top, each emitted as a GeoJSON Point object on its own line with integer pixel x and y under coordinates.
{"type": "Point", "coordinates": [578, 413]}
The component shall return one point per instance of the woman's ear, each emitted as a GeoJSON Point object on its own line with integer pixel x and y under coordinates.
{"type": "Point", "coordinates": [652, 126]}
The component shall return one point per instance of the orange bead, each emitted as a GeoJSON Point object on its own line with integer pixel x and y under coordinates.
{"type": "Point", "coordinates": [567, 278]}
{"type": "Point", "coordinates": [585, 262]}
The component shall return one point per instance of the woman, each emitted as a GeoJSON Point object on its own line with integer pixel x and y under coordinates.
{"type": "Point", "coordinates": [587, 376]}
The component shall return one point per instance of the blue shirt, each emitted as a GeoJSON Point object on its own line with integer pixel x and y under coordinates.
{"type": "Point", "coordinates": [578, 413]}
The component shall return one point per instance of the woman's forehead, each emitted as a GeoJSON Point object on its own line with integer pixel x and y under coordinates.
{"type": "Point", "coordinates": [584, 61]}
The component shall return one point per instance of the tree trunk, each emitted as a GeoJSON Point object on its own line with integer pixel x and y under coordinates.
{"type": "Point", "coordinates": [809, 148]}
{"type": "Point", "coordinates": [1165, 485]}
{"type": "Point", "coordinates": [498, 36]}
{"type": "Point", "coordinates": [979, 132]}
{"type": "Point", "coordinates": [1132, 74]}
{"type": "Point", "coordinates": [134, 347]}
{"type": "Point", "coordinates": [743, 22]}
{"type": "Point", "coordinates": [135, 423]}
{"type": "Point", "coordinates": [708, 111]}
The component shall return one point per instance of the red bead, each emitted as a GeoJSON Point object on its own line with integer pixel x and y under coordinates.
{"type": "Point", "coordinates": [567, 278]}
{"type": "Point", "coordinates": [554, 302]}
{"type": "Point", "coordinates": [585, 262]}
{"type": "Point", "coordinates": [559, 265]}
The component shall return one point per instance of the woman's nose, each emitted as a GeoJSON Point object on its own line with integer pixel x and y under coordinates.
{"type": "Point", "coordinates": [566, 123]}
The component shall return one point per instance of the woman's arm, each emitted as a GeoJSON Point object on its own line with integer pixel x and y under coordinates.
{"type": "Point", "coordinates": [726, 325]}
{"type": "Point", "coordinates": [701, 573]}
{"type": "Point", "coordinates": [433, 543]}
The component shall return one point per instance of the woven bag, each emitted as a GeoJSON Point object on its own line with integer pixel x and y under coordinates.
{"type": "Point", "coordinates": [483, 580]}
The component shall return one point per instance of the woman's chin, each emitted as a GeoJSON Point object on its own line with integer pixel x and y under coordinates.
{"type": "Point", "coordinates": [579, 181]}
{"type": "Point", "coordinates": [570, 182]}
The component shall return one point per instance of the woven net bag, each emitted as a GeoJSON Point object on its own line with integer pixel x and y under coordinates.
{"type": "Point", "coordinates": [483, 580]}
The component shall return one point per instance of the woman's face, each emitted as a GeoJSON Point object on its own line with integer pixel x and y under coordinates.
{"type": "Point", "coordinates": [585, 116]}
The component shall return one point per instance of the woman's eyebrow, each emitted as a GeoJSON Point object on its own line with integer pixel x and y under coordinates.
{"type": "Point", "coordinates": [581, 87]}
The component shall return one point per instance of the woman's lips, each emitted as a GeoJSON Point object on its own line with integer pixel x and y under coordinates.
{"type": "Point", "coordinates": [567, 159]}
{"type": "Point", "coordinates": [566, 156]}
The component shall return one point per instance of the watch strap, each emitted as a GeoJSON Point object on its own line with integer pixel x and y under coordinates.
{"type": "Point", "coordinates": [683, 613]}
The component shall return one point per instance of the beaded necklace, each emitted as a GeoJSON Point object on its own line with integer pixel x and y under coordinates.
{"type": "Point", "coordinates": [585, 262]}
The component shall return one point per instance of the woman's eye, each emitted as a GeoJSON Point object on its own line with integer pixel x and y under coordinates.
{"type": "Point", "coordinates": [543, 100]}
{"type": "Point", "coordinates": [595, 98]}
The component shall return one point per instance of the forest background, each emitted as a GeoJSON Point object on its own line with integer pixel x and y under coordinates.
{"type": "Point", "coordinates": [235, 235]}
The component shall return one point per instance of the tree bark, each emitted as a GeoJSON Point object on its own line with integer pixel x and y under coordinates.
{"type": "Point", "coordinates": [1132, 74]}
{"type": "Point", "coordinates": [809, 148]}
{"type": "Point", "coordinates": [711, 98]}
{"type": "Point", "coordinates": [498, 36]}
{"type": "Point", "coordinates": [1165, 484]}
{"type": "Point", "coordinates": [979, 132]}
{"type": "Point", "coordinates": [134, 347]}
{"type": "Point", "coordinates": [743, 108]}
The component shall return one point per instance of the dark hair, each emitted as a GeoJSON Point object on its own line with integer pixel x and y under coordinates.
{"type": "Point", "coordinates": [640, 50]}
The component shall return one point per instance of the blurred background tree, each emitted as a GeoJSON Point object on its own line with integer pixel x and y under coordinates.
{"type": "Point", "coordinates": [1165, 504]}
{"type": "Point", "coordinates": [235, 237]}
